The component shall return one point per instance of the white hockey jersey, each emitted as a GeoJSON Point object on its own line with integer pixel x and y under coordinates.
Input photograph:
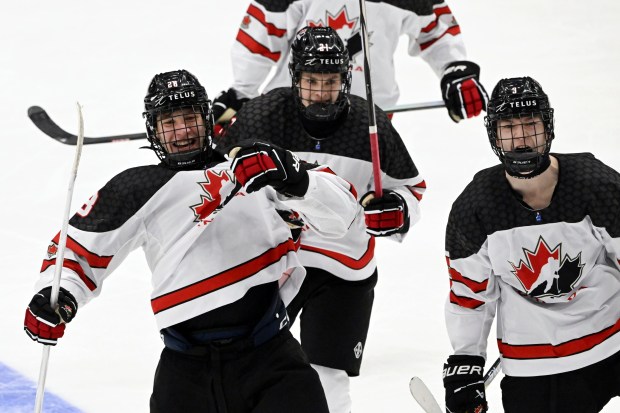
{"type": "Point", "coordinates": [552, 275]}
{"type": "Point", "coordinates": [199, 262]}
{"type": "Point", "coordinates": [269, 27]}
{"type": "Point", "coordinates": [274, 117]}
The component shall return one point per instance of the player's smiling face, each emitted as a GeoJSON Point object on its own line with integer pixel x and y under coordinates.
{"type": "Point", "coordinates": [525, 133]}
{"type": "Point", "coordinates": [319, 87]}
{"type": "Point", "coordinates": [182, 130]}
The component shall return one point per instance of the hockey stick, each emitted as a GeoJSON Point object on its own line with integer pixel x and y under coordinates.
{"type": "Point", "coordinates": [42, 120]}
{"type": "Point", "coordinates": [372, 119]}
{"type": "Point", "coordinates": [416, 106]}
{"type": "Point", "coordinates": [60, 255]}
{"type": "Point", "coordinates": [427, 401]}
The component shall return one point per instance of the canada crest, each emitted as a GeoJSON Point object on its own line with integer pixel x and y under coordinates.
{"type": "Point", "coordinates": [546, 273]}
{"type": "Point", "coordinates": [212, 196]}
{"type": "Point", "coordinates": [346, 27]}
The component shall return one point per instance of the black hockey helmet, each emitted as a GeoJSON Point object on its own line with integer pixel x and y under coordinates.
{"type": "Point", "coordinates": [522, 101]}
{"type": "Point", "coordinates": [178, 119]}
{"type": "Point", "coordinates": [320, 50]}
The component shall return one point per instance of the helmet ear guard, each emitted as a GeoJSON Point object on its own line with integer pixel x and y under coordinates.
{"type": "Point", "coordinates": [520, 126]}
{"type": "Point", "coordinates": [320, 50]}
{"type": "Point", "coordinates": [178, 96]}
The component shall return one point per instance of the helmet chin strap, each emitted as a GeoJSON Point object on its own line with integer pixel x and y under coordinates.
{"type": "Point", "coordinates": [526, 163]}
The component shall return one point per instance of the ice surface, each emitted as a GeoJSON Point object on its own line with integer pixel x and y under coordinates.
{"type": "Point", "coordinates": [104, 54]}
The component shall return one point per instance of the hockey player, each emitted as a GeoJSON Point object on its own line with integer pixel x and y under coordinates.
{"type": "Point", "coordinates": [537, 240]}
{"type": "Point", "coordinates": [269, 27]}
{"type": "Point", "coordinates": [215, 276]}
{"type": "Point", "coordinates": [318, 119]}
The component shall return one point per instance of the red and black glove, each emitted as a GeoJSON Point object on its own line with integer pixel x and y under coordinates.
{"type": "Point", "coordinates": [464, 384]}
{"type": "Point", "coordinates": [260, 164]}
{"type": "Point", "coordinates": [387, 215]}
{"type": "Point", "coordinates": [42, 323]}
{"type": "Point", "coordinates": [461, 90]}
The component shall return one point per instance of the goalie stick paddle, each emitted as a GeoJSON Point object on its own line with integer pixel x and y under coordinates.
{"type": "Point", "coordinates": [427, 401]}
{"type": "Point", "coordinates": [41, 119]}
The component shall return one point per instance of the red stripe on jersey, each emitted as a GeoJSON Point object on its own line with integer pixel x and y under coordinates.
{"type": "Point", "coordinates": [355, 264]}
{"type": "Point", "coordinates": [454, 30]}
{"type": "Point", "coordinates": [438, 13]}
{"type": "Point", "coordinates": [94, 260]}
{"type": "Point", "coordinates": [415, 192]}
{"type": "Point", "coordinates": [464, 301]}
{"type": "Point", "coordinates": [474, 286]}
{"type": "Point", "coordinates": [260, 16]}
{"type": "Point", "coordinates": [74, 266]}
{"type": "Point", "coordinates": [223, 279]}
{"type": "Point", "coordinates": [255, 47]}
{"type": "Point", "coordinates": [543, 351]}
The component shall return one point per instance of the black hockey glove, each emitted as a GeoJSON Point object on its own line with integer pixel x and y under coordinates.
{"type": "Point", "coordinates": [261, 164]}
{"type": "Point", "coordinates": [42, 323]}
{"type": "Point", "coordinates": [464, 384]}
{"type": "Point", "coordinates": [387, 215]}
{"type": "Point", "coordinates": [461, 90]}
{"type": "Point", "coordinates": [227, 99]}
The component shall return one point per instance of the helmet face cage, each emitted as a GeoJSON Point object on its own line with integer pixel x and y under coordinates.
{"type": "Point", "coordinates": [321, 73]}
{"type": "Point", "coordinates": [520, 126]}
{"type": "Point", "coordinates": [178, 120]}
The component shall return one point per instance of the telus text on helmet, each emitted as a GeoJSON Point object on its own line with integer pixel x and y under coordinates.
{"type": "Point", "coordinates": [518, 104]}
{"type": "Point", "coordinates": [176, 96]}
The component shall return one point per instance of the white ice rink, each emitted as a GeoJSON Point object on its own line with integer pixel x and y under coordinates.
{"type": "Point", "coordinates": [53, 53]}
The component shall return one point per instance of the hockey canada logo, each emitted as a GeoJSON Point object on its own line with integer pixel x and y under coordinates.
{"type": "Point", "coordinates": [545, 273]}
{"type": "Point", "coordinates": [346, 27]}
{"type": "Point", "coordinates": [213, 196]}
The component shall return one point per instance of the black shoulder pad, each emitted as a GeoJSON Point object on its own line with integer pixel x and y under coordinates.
{"type": "Point", "coordinates": [276, 5]}
{"type": "Point", "coordinates": [121, 198]}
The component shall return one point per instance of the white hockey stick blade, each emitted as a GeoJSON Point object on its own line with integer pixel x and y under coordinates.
{"type": "Point", "coordinates": [423, 396]}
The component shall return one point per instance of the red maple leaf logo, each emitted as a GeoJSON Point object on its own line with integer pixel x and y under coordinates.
{"type": "Point", "coordinates": [212, 197]}
{"type": "Point", "coordinates": [340, 20]}
{"type": "Point", "coordinates": [543, 261]}
{"type": "Point", "coordinates": [337, 21]}
{"type": "Point", "coordinates": [52, 249]}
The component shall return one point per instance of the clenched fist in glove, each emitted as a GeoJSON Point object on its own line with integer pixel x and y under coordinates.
{"type": "Point", "coordinates": [464, 384]}
{"type": "Point", "coordinates": [461, 90]}
{"type": "Point", "coordinates": [44, 324]}
{"type": "Point", "coordinates": [386, 215]}
{"type": "Point", "coordinates": [261, 164]}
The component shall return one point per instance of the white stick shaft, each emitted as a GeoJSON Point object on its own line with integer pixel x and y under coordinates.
{"type": "Point", "coordinates": [60, 255]}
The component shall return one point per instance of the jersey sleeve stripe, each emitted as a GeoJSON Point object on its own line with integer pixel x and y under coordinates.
{"type": "Point", "coordinates": [454, 30]}
{"type": "Point", "coordinates": [223, 279]}
{"type": "Point", "coordinates": [255, 47]}
{"type": "Point", "coordinates": [569, 348]}
{"type": "Point", "coordinates": [258, 14]}
{"type": "Point", "coordinates": [75, 267]}
{"type": "Point", "coordinates": [355, 264]}
{"type": "Point", "coordinates": [94, 260]}
{"type": "Point", "coordinates": [474, 286]}
{"type": "Point", "coordinates": [465, 301]}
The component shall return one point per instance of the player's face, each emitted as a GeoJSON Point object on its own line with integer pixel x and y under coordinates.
{"type": "Point", "coordinates": [319, 87]}
{"type": "Point", "coordinates": [521, 133]}
{"type": "Point", "coordinates": [182, 130]}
